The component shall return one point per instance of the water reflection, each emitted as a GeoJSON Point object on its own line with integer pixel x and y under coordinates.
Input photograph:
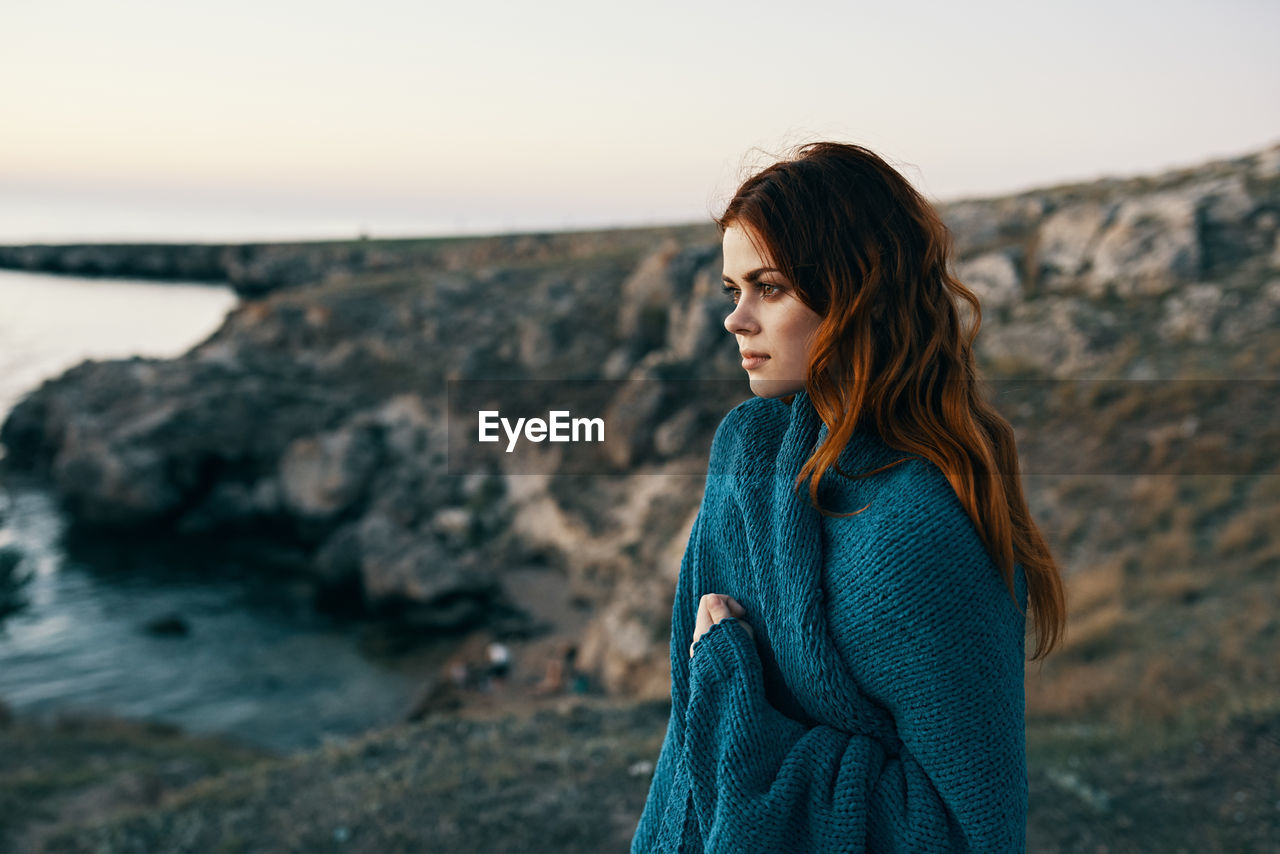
{"type": "Point", "coordinates": [51, 323]}
{"type": "Point", "coordinates": [255, 661]}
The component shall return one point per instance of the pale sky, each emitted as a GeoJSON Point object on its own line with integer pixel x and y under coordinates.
{"type": "Point", "coordinates": [276, 118]}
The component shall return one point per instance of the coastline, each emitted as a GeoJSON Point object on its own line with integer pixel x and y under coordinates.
{"type": "Point", "coordinates": [255, 269]}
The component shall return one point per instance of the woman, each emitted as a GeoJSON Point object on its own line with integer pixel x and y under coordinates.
{"type": "Point", "coordinates": [848, 631]}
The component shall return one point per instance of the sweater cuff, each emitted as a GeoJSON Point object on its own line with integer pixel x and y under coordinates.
{"type": "Point", "coordinates": [721, 651]}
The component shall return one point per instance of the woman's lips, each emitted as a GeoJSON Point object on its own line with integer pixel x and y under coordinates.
{"type": "Point", "coordinates": [750, 363]}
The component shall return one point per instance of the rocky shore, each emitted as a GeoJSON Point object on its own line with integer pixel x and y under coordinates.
{"type": "Point", "coordinates": [312, 434]}
{"type": "Point", "coordinates": [254, 269]}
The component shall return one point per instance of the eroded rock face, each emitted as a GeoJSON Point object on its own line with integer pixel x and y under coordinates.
{"type": "Point", "coordinates": [1150, 245]}
{"type": "Point", "coordinates": [994, 277]}
{"type": "Point", "coordinates": [1068, 241]}
{"type": "Point", "coordinates": [315, 419]}
{"type": "Point", "coordinates": [314, 422]}
{"type": "Point", "coordinates": [321, 476]}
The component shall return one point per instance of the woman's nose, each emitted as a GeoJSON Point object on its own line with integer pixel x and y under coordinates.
{"type": "Point", "coordinates": [741, 321]}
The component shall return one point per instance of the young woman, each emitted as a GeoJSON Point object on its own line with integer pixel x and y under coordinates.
{"type": "Point", "coordinates": [848, 636]}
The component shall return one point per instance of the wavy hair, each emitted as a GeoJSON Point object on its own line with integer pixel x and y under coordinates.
{"type": "Point", "coordinates": [870, 254]}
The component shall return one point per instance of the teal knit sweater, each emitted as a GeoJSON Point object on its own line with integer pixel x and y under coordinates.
{"type": "Point", "coordinates": [880, 706]}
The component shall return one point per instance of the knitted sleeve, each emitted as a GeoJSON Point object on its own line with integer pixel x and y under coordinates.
{"type": "Point", "coordinates": [956, 781]}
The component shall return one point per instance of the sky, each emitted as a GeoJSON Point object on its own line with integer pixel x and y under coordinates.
{"type": "Point", "coordinates": [276, 119]}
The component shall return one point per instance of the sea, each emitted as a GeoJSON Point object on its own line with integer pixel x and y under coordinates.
{"type": "Point", "coordinates": [250, 661]}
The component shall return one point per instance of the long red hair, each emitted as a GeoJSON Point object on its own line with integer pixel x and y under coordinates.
{"type": "Point", "coordinates": [869, 254]}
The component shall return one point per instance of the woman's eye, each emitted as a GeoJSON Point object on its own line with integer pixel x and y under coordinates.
{"type": "Point", "coordinates": [767, 291]}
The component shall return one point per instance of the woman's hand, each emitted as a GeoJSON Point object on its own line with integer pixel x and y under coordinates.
{"type": "Point", "coordinates": [714, 607]}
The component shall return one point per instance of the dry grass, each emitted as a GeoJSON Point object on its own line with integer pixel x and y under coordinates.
{"type": "Point", "coordinates": [1073, 691]}
{"type": "Point", "coordinates": [1169, 550]}
{"type": "Point", "coordinates": [1178, 585]}
{"type": "Point", "coordinates": [1153, 501]}
{"type": "Point", "coordinates": [1215, 494]}
{"type": "Point", "coordinates": [1171, 614]}
{"type": "Point", "coordinates": [1253, 621]}
{"type": "Point", "coordinates": [1100, 632]}
{"type": "Point", "coordinates": [1249, 530]}
{"type": "Point", "coordinates": [1095, 586]}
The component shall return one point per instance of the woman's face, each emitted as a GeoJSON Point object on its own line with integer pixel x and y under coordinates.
{"type": "Point", "coordinates": [774, 329]}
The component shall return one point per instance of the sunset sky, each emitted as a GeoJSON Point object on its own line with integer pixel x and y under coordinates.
{"type": "Point", "coordinates": [241, 120]}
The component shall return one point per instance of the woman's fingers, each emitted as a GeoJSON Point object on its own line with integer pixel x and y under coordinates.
{"type": "Point", "coordinates": [714, 607]}
{"type": "Point", "coordinates": [718, 608]}
{"type": "Point", "coordinates": [702, 622]}
{"type": "Point", "coordinates": [704, 615]}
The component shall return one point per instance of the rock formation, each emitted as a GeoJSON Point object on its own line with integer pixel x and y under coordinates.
{"type": "Point", "coordinates": [313, 427]}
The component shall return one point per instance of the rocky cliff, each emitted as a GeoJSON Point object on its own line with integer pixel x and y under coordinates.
{"type": "Point", "coordinates": [311, 430]}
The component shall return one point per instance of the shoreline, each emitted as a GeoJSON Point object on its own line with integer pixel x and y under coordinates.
{"type": "Point", "coordinates": [253, 269]}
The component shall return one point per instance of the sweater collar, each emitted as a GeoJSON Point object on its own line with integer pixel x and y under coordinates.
{"type": "Point", "coordinates": [865, 450]}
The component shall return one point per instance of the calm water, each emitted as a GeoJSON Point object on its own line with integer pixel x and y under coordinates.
{"type": "Point", "coordinates": [49, 323]}
{"type": "Point", "coordinates": [257, 663]}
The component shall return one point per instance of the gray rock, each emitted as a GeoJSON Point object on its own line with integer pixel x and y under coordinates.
{"type": "Point", "coordinates": [1148, 246]}
{"type": "Point", "coordinates": [993, 277]}
{"type": "Point", "coordinates": [1068, 242]}
{"type": "Point", "coordinates": [12, 582]}
{"type": "Point", "coordinates": [322, 476]}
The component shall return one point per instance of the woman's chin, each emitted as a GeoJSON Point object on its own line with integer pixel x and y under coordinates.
{"type": "Point", "coordinates": [771, 388]}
